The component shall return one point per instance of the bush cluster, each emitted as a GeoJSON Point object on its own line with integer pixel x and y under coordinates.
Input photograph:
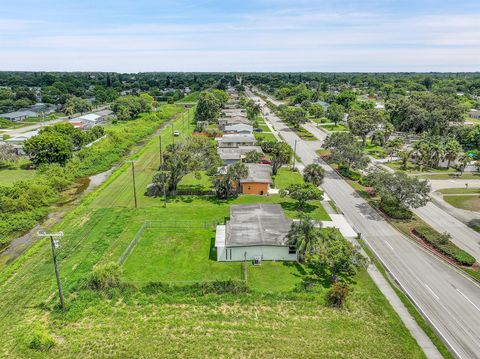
{"type": "Point", "coordinates": [394, 211]}
{"type": "Point", "coordinates": [350, 174]}
{"type": "Point", "coordinates": [41, 341]}
{"type": "Point", "coordinates": [106, 276]}
{"type": "Point", "coordinates": [442, 243]}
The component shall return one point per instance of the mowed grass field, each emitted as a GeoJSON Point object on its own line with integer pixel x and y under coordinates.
{"type": "Point", "coordinates": [275, 319]}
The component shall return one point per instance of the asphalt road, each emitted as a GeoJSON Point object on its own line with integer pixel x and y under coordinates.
{"type": "Point", "coordinates": [448, 299]}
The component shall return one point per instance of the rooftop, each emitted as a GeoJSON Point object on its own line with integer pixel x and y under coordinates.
{"type": "Point", "coordinates": [247, 137]}
{"type": "Point", "coordinates": [257, 224]}
{"type": "Point", "coordinates": [239, 127]}
{"type": "Point", "coordinates": [259, 173]}
{"type": "Point", "coordinates": [89, 117]}
{"type": "Point", "coordinates": [19, 114]}
{"type": "Point", "coordinates": [235, 153]}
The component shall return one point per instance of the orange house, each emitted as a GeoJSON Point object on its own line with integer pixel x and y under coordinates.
{"type": "Point", "coordinates": [258, 180]}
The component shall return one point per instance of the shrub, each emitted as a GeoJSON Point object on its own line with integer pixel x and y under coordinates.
{"type": "Point", "coordinates": [106, 276]}
{"type": "Point", "coordinates": [41, 341]}
{"type": "Point", "coordinates": [221, 287]}
{"type": "Point", "coordinates": [442, 243]}
{"type": "Point", "coordinates": [394, 211]}
{"type": "Point", "coordinates": [348, 173]}
{"type": "Point", "coordinates": [337, 295]}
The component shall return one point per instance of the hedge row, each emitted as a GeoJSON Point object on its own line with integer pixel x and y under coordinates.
{"type": "Point", "coordinates": [443, 244]}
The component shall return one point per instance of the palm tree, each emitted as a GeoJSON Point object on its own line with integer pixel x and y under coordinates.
{"type": "Point", "coordinates": [452, 151]}
{"type": "Point", "coordinates": [314, 174]}
{"type": "Point", "coordinates": [464, 161]}
{"type": "Point", "coordinates": [304, 235]}
{"type": "Point", "coordinates": [404, 156]}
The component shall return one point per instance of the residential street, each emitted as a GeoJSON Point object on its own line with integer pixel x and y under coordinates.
{"type": "Point", "coordinates": [449, 300]}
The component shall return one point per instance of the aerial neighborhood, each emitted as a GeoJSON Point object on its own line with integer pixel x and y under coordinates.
{"type": "Point", "coordinates": [249, 185]}
{"type": "Point", "coordinates": [256, 179]}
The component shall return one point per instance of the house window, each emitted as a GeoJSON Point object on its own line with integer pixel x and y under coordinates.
{"type": "Point", "coordinates": [292, 250]}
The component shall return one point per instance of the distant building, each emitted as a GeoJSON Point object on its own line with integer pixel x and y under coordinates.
{"type": "Point", "coordinates": [19, 139]}
{"type": "Point", "coordinates": [255, 232]}
{"type": "Point", "coordinates": [18, 116]}
{"type": "Point", "coordinates": [238, 128]}
{"type": "Point", "coordinates": [237, 120]}
{"type": "Point", "coordinates": [92, 119]}
{"type": "Point", "coordinates": [230, 155]}
{"type": "Point", "coordinates": [473, 113]}
{"type": "Point", "coordinates": [236, 140]}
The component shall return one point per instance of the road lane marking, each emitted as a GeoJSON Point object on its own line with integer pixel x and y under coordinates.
{"type": "Point", "coordinates": [431, 291]}
{"type": "Point", "coordinates": [464, 296]}
{"type": "Point", "coordinates": [388, 244]}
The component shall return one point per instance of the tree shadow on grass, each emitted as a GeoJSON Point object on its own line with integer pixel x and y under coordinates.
{"type": "Point", "coordinates": [293, 206]}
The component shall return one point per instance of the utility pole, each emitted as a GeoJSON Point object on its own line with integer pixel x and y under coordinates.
{"type": "Point", "coordinates": [294, 154]}
{"type": "Point", "coordinates": [54, 243]}
{"type": "Point", "coordinates": [188, 113]}
{"type": "Point", "coordinates": [173, 136]}
{"type": "Point", "coordinates": [160, 148]}
{"type": "Point", "coordinates": [134, 189]}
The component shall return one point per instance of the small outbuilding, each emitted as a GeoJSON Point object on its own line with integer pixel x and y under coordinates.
{"type": "Point", "coordinates": [255, 232]}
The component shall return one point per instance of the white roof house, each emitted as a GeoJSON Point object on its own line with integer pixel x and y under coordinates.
{"type": "Point", "coordinates": [91, 117]}
{"type": "Point", "coordinates": [236, 140]}
{"type": "Point", "coordinates": [473, 113]}
{"type": "Point", "coordinates": [255, 232]}
{"type": "Point", "coordinates": [239, 128]}
{"type": "Point", "coordinates": [230, 155]}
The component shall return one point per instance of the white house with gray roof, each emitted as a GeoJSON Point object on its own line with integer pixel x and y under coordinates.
{"type": "Point", "coordinates": [255, 232]}
{"type": "Point", "coordinates": [236, 140]}
{"type": "Point", "coordinates": [231, 155]}
{"type": "Point", "coordinates": [238, 128]}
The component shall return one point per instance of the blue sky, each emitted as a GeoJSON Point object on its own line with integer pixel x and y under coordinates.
{"type": "Point", "coordinates": [247, 35]}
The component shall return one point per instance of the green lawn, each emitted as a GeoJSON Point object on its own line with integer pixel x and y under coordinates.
{"type": "Point", "coordinates": [191, 97]}
{"type": "Point", "coordinates": [459, 190]}
{"type": "Point", "coordinates": [470, 203]}
{"type": "Point", "coordinates": [374, 150]}
{"type": "Point", "coordinates": [286, 177]}
{"type": "Point", "coordinates": [413, 169]}
{"type": "Point", "coordinates": [9, 176]}
{"type": "Point", "coordinates": [192, 182]}
{"type": "Point", "coordinates": [333, 128]}
{"type": "Point", "coordinates": [180, 255]}
{"type": "Point", "coordinates": [265, 136]}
